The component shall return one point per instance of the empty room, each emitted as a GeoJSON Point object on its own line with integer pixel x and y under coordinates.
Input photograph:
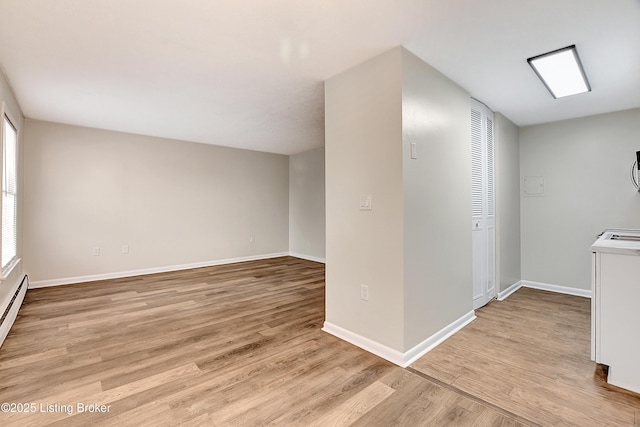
{"type": "Point", "coordinates": [368, 213]}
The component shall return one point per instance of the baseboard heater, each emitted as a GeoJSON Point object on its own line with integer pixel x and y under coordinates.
{"type": "Point", "coordinates": [11, 310]}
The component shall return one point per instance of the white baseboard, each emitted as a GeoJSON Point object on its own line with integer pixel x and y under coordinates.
{"type": "Point", "coordinates": [436, 339]}
{"type": "Point", "coordinates": [13, 311]}
{"type": "Point", "coordinates": [511, 289]}
{"type": "Point", "coordinates": [381, 350]}
{"type": "Point", "coordinates": [395, 356]}
{"type": "Point", "coordinates": [131, 273]}
{"type": "Point", "coordinates": [308, 257]}
{"type": "Point", "coordinates": [585, 293]}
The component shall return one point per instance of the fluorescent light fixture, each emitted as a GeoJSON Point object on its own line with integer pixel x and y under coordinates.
{"type": "Point", "coordinates": [561, 72]}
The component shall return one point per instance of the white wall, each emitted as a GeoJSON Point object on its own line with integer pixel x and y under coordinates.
{"type": "Point", "coordinates": [585, 163]}
{"type": "Point", "coordinates": [507, 170]}
{"type": "Point", "coordinates": [363, 155]}
{"type": "Point", "coordinates": [437, 200]}
{"type": "Point", "coordinates": [306, 205]}
{"type": "Point", "coordinates": [172, 202]}
{"type": "Point", "coordinates": [9, 285]}
{"type": "Point", "coordinates": [413, 250]}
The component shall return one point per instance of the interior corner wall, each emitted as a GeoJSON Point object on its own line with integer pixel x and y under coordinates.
{"type": "Point", "coordinates": [363, 156]}
{"type": "Point", "coordinates": [585, 164]}
{"type": "Point", "coordinates": [306, 205]}
{"type": "Point", "coordinates": [437, 201]}
{"type": "Point", "coordinates": [507, 172]}
{"type": "Point", "coordinates": [10, 284]}
{"type": "Point", "coordinates": [172, 202]}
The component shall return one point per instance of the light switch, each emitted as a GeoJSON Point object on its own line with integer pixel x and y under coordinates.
{"type": "Point", "coordinates": [414, 150]}
{"type": "Point", "coordinates": [365, 202]}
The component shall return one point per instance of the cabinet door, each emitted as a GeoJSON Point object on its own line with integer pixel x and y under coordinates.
{"type": "Point", "coordinates": [595, 307]}
{"type": "Point", "coordinates": [619, 306]}
{"type": "Point", "coordinates": [619, 318]}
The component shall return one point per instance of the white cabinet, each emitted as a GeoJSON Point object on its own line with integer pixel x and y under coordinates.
{"type": "Point", "coordinates": [615, 306]}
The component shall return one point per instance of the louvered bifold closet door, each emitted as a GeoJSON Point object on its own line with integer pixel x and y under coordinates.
{"type": "Point", "coordinates": [482, 203]}
{"type": "Point", "coordinates": [489, 166]}
{"type": "Point", "coordinates": [491, 216]}
{"type": "Point", "coordinates": [477, 182]}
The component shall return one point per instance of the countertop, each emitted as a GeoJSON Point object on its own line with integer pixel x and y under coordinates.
{"type": "Point", "coordinates": [627, 242]}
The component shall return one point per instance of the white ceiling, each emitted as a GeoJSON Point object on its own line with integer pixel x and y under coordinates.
{"type": "Point", "coordinates": [249, 73]}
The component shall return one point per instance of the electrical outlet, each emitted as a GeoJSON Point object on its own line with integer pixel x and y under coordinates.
{"type": "Point", "coordinates": [95, 251]}
{"type": "Point", "coordinates": [365, 202]}
{"type": "Point", "coordinates": [364, 292]}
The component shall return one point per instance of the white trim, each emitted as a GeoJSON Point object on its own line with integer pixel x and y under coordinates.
{"type": "Point", "coordinates": [9, 269]}
{"type": "Point", "coordinates": [436, 339]}
{"type": "Point", "coordinates": [388, 353]}
{"type": "Point", "coordinates": [4, 112]}
{"type": "Point", "coordinates": [13, 312]}
{"type": "Point", "coordinates": [585, 293]}
{"type": "Point", "coordinates": [511, 289]}
{"type": "Point", "coordinates": [131, 273]}
{"type": "Point", "coordinates": [395, 356]}
{"type": "Point", "coordinates": [308, 257]}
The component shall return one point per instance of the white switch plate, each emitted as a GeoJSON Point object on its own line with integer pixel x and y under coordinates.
{"type": "Point", "coordinates": [95, 251]}
{"type": "Point", "coordinates": [252, 239]}
{"type": "Point", "coordinates": [364, 292]}
{"type": "Point", "coordinates": [125, 249]}
{"type": "Point", "coordinates": [414, 150]}
{"type": "Point", "coordinates": [365, 202]}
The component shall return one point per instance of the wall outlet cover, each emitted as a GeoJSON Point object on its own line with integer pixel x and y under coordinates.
{"type": "Point", "coordinates": [365, 202]}
{"type": "Point", "coordinates": [364, 292]}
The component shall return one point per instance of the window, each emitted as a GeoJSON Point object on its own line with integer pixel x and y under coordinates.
{"type": "Point", "coordinates": [9, 192]}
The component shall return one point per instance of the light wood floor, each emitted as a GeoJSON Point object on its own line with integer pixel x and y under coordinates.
{"type": "Point", "coordinates": [241, 344]}
{"type": "Point", "coordinates": [530, 355]}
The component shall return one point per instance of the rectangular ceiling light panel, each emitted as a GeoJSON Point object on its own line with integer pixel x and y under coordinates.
{"type": "Point", "coordinates": [561, 72]}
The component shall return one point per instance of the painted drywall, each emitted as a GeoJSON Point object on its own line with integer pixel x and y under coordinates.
{"type": "Point", "coordinates": [586, 165]}
{"type": "Point", "coordinates": [172, 202]}
{"type": "Point", "coordinates": [413, 249]}
{"type": "Point", "coordinates": [507, 171]}
{"type": "Point", "coordinates": [437, 201]}
{"type": "Point", "coordinates": [306, 205]}
{"type": "Point", "coordinates": [363, 156]}
{"type": "Point", "coordinates": [10, 283]}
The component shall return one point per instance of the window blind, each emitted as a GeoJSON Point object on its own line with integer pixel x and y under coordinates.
{"type": "Point", "coordinates": [9, 192]}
